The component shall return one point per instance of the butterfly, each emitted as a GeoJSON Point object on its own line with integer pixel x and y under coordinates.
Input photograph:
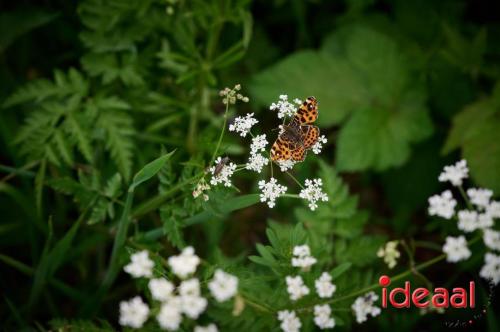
{"type": "Point", "coordinates": [299, 135]}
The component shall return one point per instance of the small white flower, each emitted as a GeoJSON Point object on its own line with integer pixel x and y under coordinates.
{"type": "Point", "coordinates": [364, 306]}
{"type": "Point", "coordinates": [284, 107]}
{"type": "Point", "coordinates": [256, 162]}
{"type": "Point", "coordinates": [270, 191]}
{"type": "Point", "coordinates": [190, 287]}
{"type": "Point", "coordinates": [480, 197]}
{"type": "Point", "coordinates": [390, 253]}
{"type": "Point", "coordinates": [285, 165]}
{"type": "Point", "coordinates": [243, 125]}
{"type": "Point", "coordinates": [491, 268]}
{"type": "Point", "coordinates": [455, 173]}
{"type": "Point", "coordinates": [468, 221]}
{"type": "Point", "coordinates": [161, 289]}
{"type": "Point", "coordinates": [296, 288]}
{"type": "Point", "coordinates": [140, 265]}
{"type": "Point", "coordinates": [322, 317]}
{"type": "Point", "coordinates": [185, 263]}
{"type": "Point", "coordinates": [442, 205]}
{"type": "Point", "coordinates": [224, 175]}
{"type": "Point", "coordinates": [491, 239]}
{"type": "Point", "coordinates": [493, 209]}
{"type": "Point", "coordinates": [193, 306]}
{"type": "Point", "coordinates": [259, 144]}
{"type": "Point", "coordinates": [170, 315]}
{"type": "Point", "coordinates": [484, 220]}
{"type": "Point", "coordinates": [312, 193]}
{"type": "Point", "coordinates": [133, 313]}
{"type": "Point", "coordinates": [302, 257]}
{"type": "Point", "coordinates": [208, 328]}
{"type": "Point", "coordinates": [456, 249]}
{"type": "Point", "coordinates": [289, 321]}
{"type": "Point", "coordinates": [223, 286]}
{"type": "Point", "coordinates": [324, 286]}
{"type": "Point", "coordinates": [318, 146]}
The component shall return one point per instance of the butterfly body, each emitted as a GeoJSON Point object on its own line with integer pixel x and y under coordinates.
{"type": "Point", "coordinates": [220, 165]}
{"type": "Point", "coordinates": [299, 135]}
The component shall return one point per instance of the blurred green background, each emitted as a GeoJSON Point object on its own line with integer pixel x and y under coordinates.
{"type": "Point", "coordinates": [92, 90]}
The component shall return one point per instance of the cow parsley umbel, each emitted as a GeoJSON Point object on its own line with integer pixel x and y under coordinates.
{"type": "Point", "coordinates": [313, 193]}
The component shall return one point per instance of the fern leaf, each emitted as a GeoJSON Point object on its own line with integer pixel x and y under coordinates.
{"type": "Point", "coordinates": [119, 130]}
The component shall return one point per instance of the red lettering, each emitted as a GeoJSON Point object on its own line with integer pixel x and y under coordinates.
{"type": "Point", "coordinates": [443, 295]}
{"type": "Point", "coordinates": [420, 294]}
{"type": "Point", "coordinates": [472, 294]}
{"type": "Point", "coordinates": [459, 294]}
{"type": "Point", "coordinates": [405, 291]}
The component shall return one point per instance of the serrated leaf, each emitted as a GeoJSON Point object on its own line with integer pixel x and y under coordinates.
{"type": "Point", "coordinates": [332, 82]}
{"type": "Point", "coordinates": [113, 186]}
{"type": "Point", "coordinates": [475, 130]}
{"type": "Point", "coordinates": [380, 139]}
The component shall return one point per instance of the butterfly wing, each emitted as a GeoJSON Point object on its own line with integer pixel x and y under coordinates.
{"type": "Point", "coordinates": [299, 154]}
{"type": "Point", "coordinates": [307, 112]}
{"type": "Point", "coordinates": [310, 135]}
{"type": "Point", "coordinates": [282, 148]}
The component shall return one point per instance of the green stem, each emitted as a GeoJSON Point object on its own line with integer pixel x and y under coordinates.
{"type": "Point", "coordinates": [157, 201]}
{"type": "Point", "coordinates": [296, 181]}
{"type": "Point", "coordinates": [464, 196]}
{"type": "Point", "coordinates": [221, 135]}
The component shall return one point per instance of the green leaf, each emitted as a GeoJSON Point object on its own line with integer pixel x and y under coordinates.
{"type": "Point", "coordinates": [232, 204]}
{"type": "Point", "coordinates": [112, 188]}
{"type": "Point", "coordinates": [20, 21]}
{"type": "Point", "coordinates": [119, 130]}
{"type": "Point", "coordinates": [311, 73]}
{"type": "Point", "coordinates": [150, 170]}
{"type": "Point", "coordinates": [475, 130]}
{"type": "Point", "coordinates": [341, 269]}
{"type": "Point", "coordinates": [380, 138]}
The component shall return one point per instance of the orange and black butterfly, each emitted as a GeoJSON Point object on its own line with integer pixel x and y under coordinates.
{"type": "Point", "coordinates": [299, 135]}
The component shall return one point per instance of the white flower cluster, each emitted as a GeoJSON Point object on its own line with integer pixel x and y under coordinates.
{"type": "Point", "coordinates": [257, 161]}
{"type": "Point", "coordinates": [455, 173]}
{"type": "Point", "coordinates": [312, 193]}
{"type": "Point", "coordinates": [224, 174]}
{"type": "Point", "coordinates": [243, 124]}
{"type": "Point", "coordinates": [491, 268]}
{"type": "Point", "coordinates": [286, 165]}
{"type": "Point", "coordinates": [390, 253]}
{"type": "Point", "coordinates": [442, 205]}
{"type": "Point", "coordinates": [297, 289]}
{"type": "Point", "coordinates": [364, 306]}
{"type": "Point", "coordinates": [200, 189]}
{"type": "Point", "coordinates": [456, 249]}
{"type": "Point", "coordinates": [270, 191]}
{"type": "Point", "coordinates": [140, 265]}
{"type": "Point", "coordinates": [480, 216]}
{"type": "Point", "coordinates": [302, 257]}
{"type": "Point", "coordinates": [174, 302]}
{"type": "Point", "coordinates": [322, 317]}
{"type": "Point", "coordinates": [318, 146]}
{"type": "Point", "coordinates": [284, 107]}
{"type": "Point", "coordinates": [289, 321]}
{"type": "Point", "coordinates": [230, 96]}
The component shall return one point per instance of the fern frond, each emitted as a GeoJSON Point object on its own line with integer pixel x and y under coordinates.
{"type": "Point", "coordinates": [118, 128]}
{"type": "Point", "coordinates": [72, 83]}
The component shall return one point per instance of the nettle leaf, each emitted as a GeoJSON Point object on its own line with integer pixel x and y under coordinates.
{"type": "Point", "coordinates": [475, 131]}
{"type": "Point", "coordinates": [380, 138]}
{"type": "Point", "coordinates": [311, 73]}
{"type": "Point", "coordinates": [362, 72]}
